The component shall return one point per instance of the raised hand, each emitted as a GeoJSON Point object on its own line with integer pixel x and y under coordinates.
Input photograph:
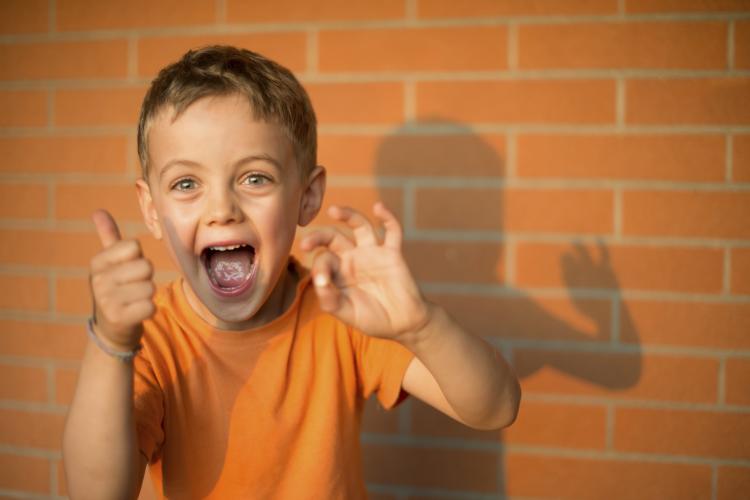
{"type": "Point", "coordinates": [363, 279]}
{"type": "Point", "coordinates": [122, 286]}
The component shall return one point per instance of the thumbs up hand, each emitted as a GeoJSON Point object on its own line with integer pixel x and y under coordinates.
{"type": "Point", "coordinates": [122, 286]}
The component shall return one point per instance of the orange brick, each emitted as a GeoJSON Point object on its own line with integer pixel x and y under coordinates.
{"type": "Point", "coordinates": [642, 45]}
{"type": "Point", "coordinates": [360, 198]}
{"type": "Point", "coordinates": [515, 210]}
{"type": "Point", "coordinates": [322, 10]}
{"type": "Point", "coordinates": [658, 6]}
{"type": "Point", "coordinates": [23, 201]}
{"type": "Point", "coordinates": [595, 478]}
{"type": "Point", "coordinates": [78, 201]}
{"type": "Point", "coordinates": [156, 251]}
{"type": "Point", "coordinates": [465, 470]}
{"type": "Point", "coordinates": [287, 48]}
{"type": "Point", "coordinates": [710, 101]}
{"type": "Point", "coordinates": [65, 385]}
{"type": "Point", "coordinates": [639, 376]}
{"type": "Point", "coordinates": [687, 214]}
{"type": "Point", "coordinates": [94, 154]}
{"type": "Point", "coordinates": [23, 108]}
{"type": "Point", "coordinates": [81, 15]}
{"type": "Point", "coordinates": [48, 248]}
{"type": "Point", "coordinates": [381, 103]}
{"type": "Point", "coordinates": [682, 432]}
{"type": "Point", "coordinates": [530, 318]}
{"type": "Point", "coordinates": [44, 60]}
{"type": "Point", "coordinates": [23, 383]}
{"type": "Point", "coordinates": [698, 158]}
{"type": "Point", "coordinates": [414, 49]}
{"type": "Point", "coordinates": [734, 482]}
{"type": "Point", "coordinates": [516, 102]}
{"type": "Point", "coordinates": [461, 154]}
{"type": "Point", "coordinates": [538, 424]}
{"type": "Point", "coordinates": [62, 487]}
{"type": "Point", "coordinates": [502, 8]}
{"type": "Point", "coordinates": [24, 16]}
{"type": "Point", "coordinates": [740, 277]}
{"type": "Point", "coordinates": [742, 44]}
{"type": "Point", "coordinates": [31, 429]}
{"type": "Point", "coordinates": [377, 420]}
{"type": "Point", "coordinates": [741, 158]}
{"type": "Point", "coordinates": [688, 324]}
{"type": "Point", "coordinates": [42, 340]}
{"type": "Point", "coordinates": [349, 154]}
{"type": "Point", "coordinates": [110, 106]}
{"type": "Point", "coordinates": [427, 422]}
{"type": "Point", "coordinates": [24, 473]}
{"type": "Point", "coordinates": [444, 261]}
{"type": "Point", "coordinates": [460, 209]}
{"type": "Point", "coordinates": [737, 381]}
{"type": "Point", "coordinates": [72, 295]}
{"type": "Point", "coordinates": [631, 267]}
{"type": "Point", "coordinates": [26, 293]}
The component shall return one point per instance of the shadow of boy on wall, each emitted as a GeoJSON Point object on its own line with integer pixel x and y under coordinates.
{"type": "Point", "coordinates": [462, 243]}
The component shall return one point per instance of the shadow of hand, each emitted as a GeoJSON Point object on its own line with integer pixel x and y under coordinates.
{"type": "Point", "coordinates": [580, 270]}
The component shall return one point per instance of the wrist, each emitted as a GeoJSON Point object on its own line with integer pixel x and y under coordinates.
{"type": "Point", "coordinates": [424, 329]}
{"type": "Point", "coordinates": [124, 353]}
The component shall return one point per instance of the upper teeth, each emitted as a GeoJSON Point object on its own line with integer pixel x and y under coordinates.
{"type": "Point", "coordinates": [230, 247]}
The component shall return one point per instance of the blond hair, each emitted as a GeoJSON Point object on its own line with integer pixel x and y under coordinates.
{"type": "Point", "coordinates": [274, 94]}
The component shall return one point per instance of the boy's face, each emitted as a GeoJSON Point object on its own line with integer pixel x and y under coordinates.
{"type": "Point", "coordinates": [225, 193]}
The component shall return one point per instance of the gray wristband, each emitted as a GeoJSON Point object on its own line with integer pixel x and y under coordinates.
{"type": "Point", "coordinates": [125, 357]}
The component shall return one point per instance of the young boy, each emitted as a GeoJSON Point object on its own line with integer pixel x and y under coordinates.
{"type": "Point", "coordinates": [246, 377]}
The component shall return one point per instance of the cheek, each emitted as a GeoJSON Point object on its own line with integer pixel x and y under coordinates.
{"type": "Point", "coordinates": [283, 220]}
{"type": "Point", "coordinates": [178, 244]}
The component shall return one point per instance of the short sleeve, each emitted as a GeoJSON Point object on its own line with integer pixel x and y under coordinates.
{"type": "Point", "coordinates": [148, 404]}
{"type": "Point", "coordinates": [381, 365]}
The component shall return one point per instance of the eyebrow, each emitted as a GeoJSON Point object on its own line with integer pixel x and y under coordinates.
{"type": "Point", "coordinates": [246, 159]}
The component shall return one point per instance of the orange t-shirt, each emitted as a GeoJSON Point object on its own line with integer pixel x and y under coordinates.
{"type": "Point", "coordinates": [272, 412]}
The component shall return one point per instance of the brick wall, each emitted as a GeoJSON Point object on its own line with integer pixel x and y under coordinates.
{"type": "Point", "coordinates": [574, 181]}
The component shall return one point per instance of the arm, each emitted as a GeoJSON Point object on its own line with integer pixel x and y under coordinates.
{"type": "Point", "coordinates": [365, 282]}
{"type": "Point", "coordinates": [99, 441]}
{"type": "Point", "coordinates": [460, 374]}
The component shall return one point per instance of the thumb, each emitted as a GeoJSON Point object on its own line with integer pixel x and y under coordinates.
{"type": "Point", "coordinates": [106, 227]}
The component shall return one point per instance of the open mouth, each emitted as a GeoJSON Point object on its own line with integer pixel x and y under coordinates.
{"type": "Point", "coordinates": [230, 268]}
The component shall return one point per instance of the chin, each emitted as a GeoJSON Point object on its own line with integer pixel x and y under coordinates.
{"type": "Point", "coordinates": [232, 311]}
{"type": "Point", "coordinates": [238, 318]}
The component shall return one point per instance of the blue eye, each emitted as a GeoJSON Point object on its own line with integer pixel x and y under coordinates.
{"type": "Point", "coordinates": [256, 180]}
{"type": "Point", "coordinates": [184, 184]}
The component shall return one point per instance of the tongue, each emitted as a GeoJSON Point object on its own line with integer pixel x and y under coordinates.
{"type": "Point", "coordinates": [230, 268]}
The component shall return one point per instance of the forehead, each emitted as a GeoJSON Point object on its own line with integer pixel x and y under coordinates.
{"type": "Point", "coordinates": [215, 131]}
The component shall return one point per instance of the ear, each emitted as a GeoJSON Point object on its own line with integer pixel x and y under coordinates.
{"type": "Point", "coordinates": [312, 197]}
{"type": "Point", "coordinates": [148, 209]}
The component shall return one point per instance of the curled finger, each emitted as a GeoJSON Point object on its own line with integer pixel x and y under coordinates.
{"type": "Point", "coordinates": [329, 237]}
{"type": "Point", "coordinates": [393, 230]}
{"type": "Point", "coordinates": [118, 252]}
{"type": "Point", "coordinates": [132, 271]}
{"type": "Point", "coordinates": [362, 228]}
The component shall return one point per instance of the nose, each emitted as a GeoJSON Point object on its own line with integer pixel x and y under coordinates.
{"type": "Point", "coordinates": [222, 207]}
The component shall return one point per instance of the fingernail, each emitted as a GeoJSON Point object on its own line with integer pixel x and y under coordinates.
{"type": "Point", "coordinates": [321, 280]}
